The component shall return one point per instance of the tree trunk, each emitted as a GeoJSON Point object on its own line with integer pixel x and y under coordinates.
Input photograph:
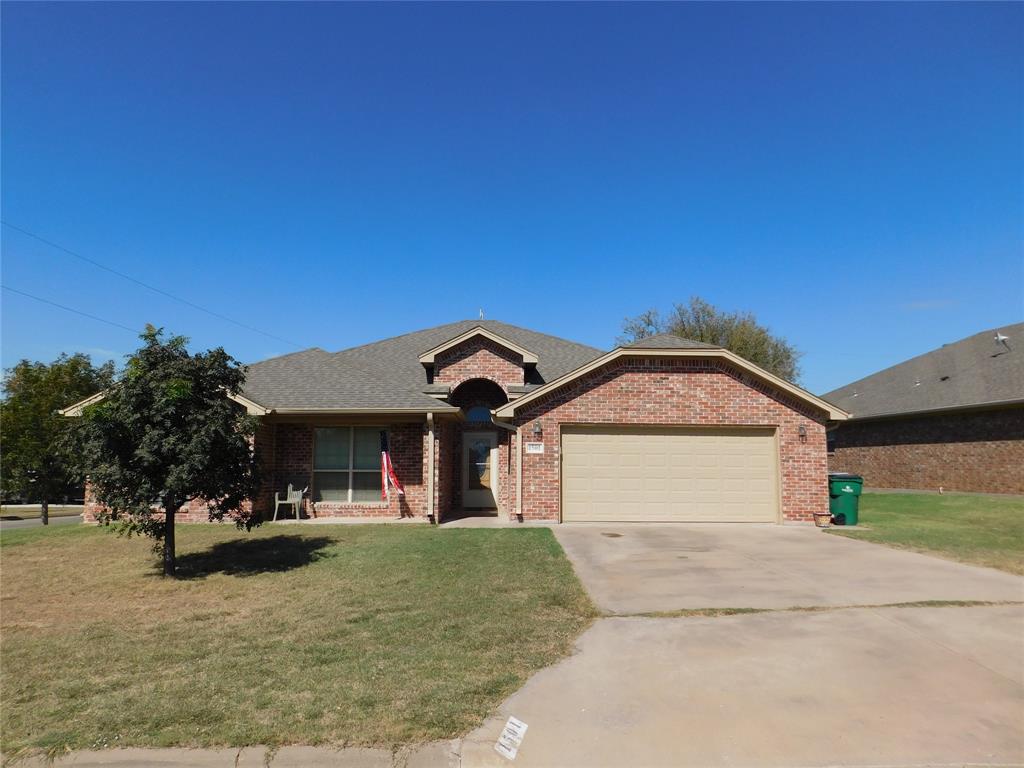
{"type": "Point", "coordinates": [170, 507]}
{"type": "Point", "coordinates": [44, 511]}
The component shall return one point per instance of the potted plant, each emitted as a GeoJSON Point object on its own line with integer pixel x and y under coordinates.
{"type": "Point", "coordinates": [823, 519]}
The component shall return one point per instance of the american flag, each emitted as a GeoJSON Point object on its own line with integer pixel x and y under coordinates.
{"type": "Point", "coordinates": [387, 470]}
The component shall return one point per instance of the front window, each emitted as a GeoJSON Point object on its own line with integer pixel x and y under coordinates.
{"type": "Point", "coordinates": [478, 413]}
{"type": "Point", "coordinates": [346, 464]}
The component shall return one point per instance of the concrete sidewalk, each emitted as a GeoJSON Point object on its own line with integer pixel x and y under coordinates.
{"type": "Point", "coordinates": [892, 687]}
{"type": "Point", "coordinates": [435, 755]}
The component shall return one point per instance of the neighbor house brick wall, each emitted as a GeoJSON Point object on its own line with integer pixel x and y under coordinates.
{"type": "Point", "coordinates": [479, 357]}
{"type": "Point", "coordinates": [981, 451]}
{"type": "Point", "coordinates": [667, 391]}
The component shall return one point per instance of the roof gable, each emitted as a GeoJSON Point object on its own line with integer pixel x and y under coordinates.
{"type": "Point", "coordinates": [634, 350]}
{"type": "Point", "coordinates": [428, 357]}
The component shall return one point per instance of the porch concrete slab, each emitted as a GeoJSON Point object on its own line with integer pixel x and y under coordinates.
{"type": "Point", "coordinates": [850, 687]}
{"type": "Point", "coordinates": [637, 568]}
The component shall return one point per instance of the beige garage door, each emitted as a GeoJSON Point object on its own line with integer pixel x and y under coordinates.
{"type": "Point", "coordinates": [654, 474]}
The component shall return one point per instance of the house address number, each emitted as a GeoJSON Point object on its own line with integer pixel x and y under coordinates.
{"type": "Point", "coordinates": [535, 447]}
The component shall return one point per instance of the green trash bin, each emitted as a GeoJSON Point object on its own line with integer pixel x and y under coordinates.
{"type": "Point", "coordinates": [844, 497]}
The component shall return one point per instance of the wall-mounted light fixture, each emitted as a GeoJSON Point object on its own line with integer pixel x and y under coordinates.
{"type": "Point", "coordinates": [538, 430]}
{"type": "Point", "coordinates": [802, 431]}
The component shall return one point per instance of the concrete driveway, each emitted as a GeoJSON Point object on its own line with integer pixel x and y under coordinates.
{"type": "Point", "coordinates": [907, 686]}
{"type": "Point", "coordinates": [632, 569]}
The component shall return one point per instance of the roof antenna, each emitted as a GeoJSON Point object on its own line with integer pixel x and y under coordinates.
{"type": "Point", "coordinates": [481, 313]}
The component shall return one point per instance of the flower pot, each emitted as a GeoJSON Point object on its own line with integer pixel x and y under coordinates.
{"type": "Point", "coordinates": [823, 519]}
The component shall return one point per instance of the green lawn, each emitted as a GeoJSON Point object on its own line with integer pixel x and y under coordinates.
{"type": "Point", "coordinates": [983, 530]}
{"type": "Point", "coordinates": [360, 635]}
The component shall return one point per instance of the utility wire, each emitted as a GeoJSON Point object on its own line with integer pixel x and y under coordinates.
{"type": "Point", "coordinates": [153, 288]}
{"type": "Point", "coordinates": [69, 309]}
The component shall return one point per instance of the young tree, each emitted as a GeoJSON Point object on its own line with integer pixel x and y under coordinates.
{"type": "Point", "coordinates": [738, 332]}
{"type": "Point", "coordinates": [36, 463]}
{"type": "Point", "coordinates": [167, 432]}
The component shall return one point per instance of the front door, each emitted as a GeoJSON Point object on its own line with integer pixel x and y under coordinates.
{"type": "Point", "coordinates": [480, 470]}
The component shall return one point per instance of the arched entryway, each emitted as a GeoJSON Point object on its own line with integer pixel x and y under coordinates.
{"type": "Point", "coordinates": [481, 447]}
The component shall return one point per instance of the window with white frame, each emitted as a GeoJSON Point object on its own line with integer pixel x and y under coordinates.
{"type": "Point", "coordinates": [346, 464]}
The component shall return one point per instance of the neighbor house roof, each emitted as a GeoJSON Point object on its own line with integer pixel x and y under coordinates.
{"type": "Point", "coordinates": [976, 371]}
{"type": "Point", "coordinates": [388, 375]}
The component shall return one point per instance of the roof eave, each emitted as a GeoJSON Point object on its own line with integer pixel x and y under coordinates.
{"type": "Point", "coordinates": [995, 404]}
{"type": "Point", "coordinates": [440, 408]}
{"type": "Point", "coordinates": [77, 409]}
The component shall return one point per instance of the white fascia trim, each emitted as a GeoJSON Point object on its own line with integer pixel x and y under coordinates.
{"type": "Point", "coordinates": [251, 406]}
{"type": "Point", "coordinates": [427, 358]}
{"type": "Point", "coordinates": [335, 411]}
{"type": "Point", "coordinates": [835, 414]}
{"type": "Point", "coordinates": [81, 405]}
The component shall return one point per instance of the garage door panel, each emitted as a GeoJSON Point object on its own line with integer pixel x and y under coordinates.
{"type": "Point", "coordinates": [679, 474]}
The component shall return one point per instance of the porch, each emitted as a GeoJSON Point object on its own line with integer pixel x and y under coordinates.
{"type": "Point", "coordinates": [449, 467]}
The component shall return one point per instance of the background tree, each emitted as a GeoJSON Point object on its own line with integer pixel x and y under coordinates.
{"type": "Point", "coordinates": [36, 462]}
{"type": "Point", "coordinates": [168, 433]}
{"type": "Point", "coordinates": [738, 332]}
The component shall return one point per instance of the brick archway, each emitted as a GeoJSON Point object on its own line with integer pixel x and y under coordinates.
{"type": "Point", "coordinates": [478, 392]}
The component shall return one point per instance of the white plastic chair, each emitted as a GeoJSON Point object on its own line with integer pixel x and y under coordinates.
{"type": "Point", "coordinates": [291, 499]}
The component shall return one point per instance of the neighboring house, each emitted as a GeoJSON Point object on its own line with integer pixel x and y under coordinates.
{"type": "Point", "coordinates": [952, 418]}
{"type": "Point", "coordinates": [487, 417]}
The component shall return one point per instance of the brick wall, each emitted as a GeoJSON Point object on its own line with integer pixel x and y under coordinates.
{"type": "Point", "coordinates": [479, 357]}
{"type": "Point", "coordinates": [197, 510]}
{"type": "Point", "coordinates": [981, 451]}
{"type": "Point", "coordinates": [286, 451]}
{"type": "Point", "coordinates": [408, 444]}
{"type": "Point", "coordinates": [445, 434]}
{"type": "Point", "coordinates": [663, 391]}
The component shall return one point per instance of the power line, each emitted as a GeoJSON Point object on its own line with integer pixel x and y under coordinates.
{"type": "Point", "coordinates": [153, 288]}
{"type": "Point", "coordinates": [69, 309]}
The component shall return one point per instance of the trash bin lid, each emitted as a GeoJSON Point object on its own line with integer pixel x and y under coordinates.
{"type": "Point", "coordinates": [844, 476]}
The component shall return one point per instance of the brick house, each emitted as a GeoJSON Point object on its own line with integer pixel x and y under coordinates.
{"type": "Point", "coordinates": [952, 418]}
{"type": "Point", "coordinates": [483, 417]}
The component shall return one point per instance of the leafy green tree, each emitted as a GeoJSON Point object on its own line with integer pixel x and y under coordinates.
{"type": "Point", "coordinates": [166, 433]}
{"type": "Point", "coordinates": [738, 332]}
{"type": "Point", "coordinates": [36, 463]}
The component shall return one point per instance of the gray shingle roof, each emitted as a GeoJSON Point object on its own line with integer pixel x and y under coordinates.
{"type": "Point", "coordinates": [388, 374]}
{"type": "Point", "coordinates": [972, 371]}
{"type": "Point", "coordinates": [670, 341]}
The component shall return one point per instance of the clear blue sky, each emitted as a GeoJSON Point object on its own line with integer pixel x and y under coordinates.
{"type": "Point", "coordinates": [334, 174]}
